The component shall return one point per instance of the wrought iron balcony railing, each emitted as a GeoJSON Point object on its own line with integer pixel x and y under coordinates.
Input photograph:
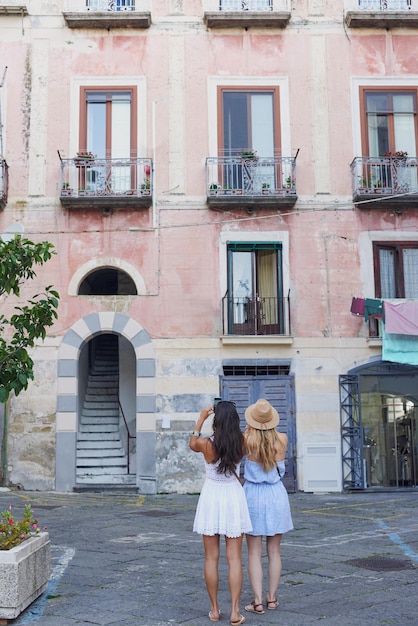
{"type": "Point", "coordinates": [4, 183]}
{"type": "Point", "coordinates": [384, 5]}
{"type": "Point", "coordinates": [381, 177]}
{"type": "Point", "coordinates": [106, 182]}
{"type": "Point", "coordinates": [110, 5]}
{"type": "Point", "coordinates": [381, 13]}
{"type": "Point", "coordinates": [246, 5]}
{"type": "Point", "coordinates": [248, 178]}
{"type": "Point", "coordinates": [244, 13]}
{"type": "Point", "coordinates": [107, 13]}
{"type": "Point", "coordinates": [256, 316]}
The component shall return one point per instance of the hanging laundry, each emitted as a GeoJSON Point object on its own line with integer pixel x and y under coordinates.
{"type": "Point", "coordinates": [373, 308]}
{"type": "Point", "coordinates": [401, 317]}
{"type": "Point", "coordinates": [399, 348]}
{"type": "Point", "coordinates": [357, 306]}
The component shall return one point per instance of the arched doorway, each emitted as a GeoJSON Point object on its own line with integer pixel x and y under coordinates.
{"type": "Point", "coordinates": [379, 416]}
{"type": "Point", "coordinates": [135, 355]}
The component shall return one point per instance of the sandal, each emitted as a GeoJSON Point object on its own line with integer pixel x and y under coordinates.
{"type": "Point", "coordinates": [214, 619]}
{"type": "Point", "coordinates": [275, 603]}
{"type": "Point", "coordinates": [240, 621]}
{"type": "Point", "coordinates": [252, 608]}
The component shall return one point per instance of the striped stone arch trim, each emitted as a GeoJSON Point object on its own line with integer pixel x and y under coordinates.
{"type": "Point", "coordinates": [67, 402]}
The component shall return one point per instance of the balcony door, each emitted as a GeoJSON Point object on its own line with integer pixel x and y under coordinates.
{"type": "Point", "coordinates": [249, 122]}
{"type": "Point", "coordinates": [255, 289]}
{"type": "Point", "coordinates": [108, 130]}
{"type": "Point", "coordinates": [390, 126]}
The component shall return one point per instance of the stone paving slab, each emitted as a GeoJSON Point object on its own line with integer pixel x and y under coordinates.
{"type": "Point", "coordinates": [134, 560]}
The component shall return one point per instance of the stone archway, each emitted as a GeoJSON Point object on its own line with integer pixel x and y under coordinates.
{"type": "Point", "coordinates": [68, 401]}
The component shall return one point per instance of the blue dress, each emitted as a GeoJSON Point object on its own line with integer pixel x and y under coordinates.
{"type": "Point", "coordinates": [267, 499]}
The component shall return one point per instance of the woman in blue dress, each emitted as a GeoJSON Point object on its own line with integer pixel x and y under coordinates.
{"type": "Point", "coordinates": [267, 499]}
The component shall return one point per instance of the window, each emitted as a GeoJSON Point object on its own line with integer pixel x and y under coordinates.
{"type": "Point", "coordinates": [249, 130]}
{"type": "Point", "coordinates": [108, 123]}
{"type": "Point", "coordinates": [390, 121]}
{"type": "Point", "coordinates": [396, 270]}
{"type": "Point", "coordinates": [108, 281]}
{"type": "Point", "coordinates": [250, 120]}
{"type": "Point", "coordinates": [255, 285]}
{"type": "Point", "coordinates": [108, 130]}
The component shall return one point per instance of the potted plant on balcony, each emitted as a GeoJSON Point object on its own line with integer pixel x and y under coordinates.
{"type": "Point", "coordinates": [248, 154]}
{"type": "Point", "coordinates": [66, 190]}
{"type": "Point", "coordinates": [84, 159]}
{"type": "Point", "coordinates": [399, 155]}
{"type": "Point", "coordinates": [146, 187]}
{"type": "Point", "coordinates": [290, 185]}
{"type": "Point", "coordinates": [265, 189]}
{"type": "Point", "coordinates": [25, 562]}
{"type": "Point", "coordinates": [213, 189]}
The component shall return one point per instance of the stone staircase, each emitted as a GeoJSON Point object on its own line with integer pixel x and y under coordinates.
{"type": "Point", "coordinates": [101, 457]}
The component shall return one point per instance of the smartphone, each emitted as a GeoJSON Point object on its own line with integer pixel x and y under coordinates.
{"type": "Point", "coordinates": [215, 402]}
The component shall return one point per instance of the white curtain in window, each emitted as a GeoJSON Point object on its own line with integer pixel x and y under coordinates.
{"type": "Point", "coordinates": [387, 274]}
{"type": "Point", "coordinates": [403, 105]}
{"type": "Point", "coordinates": [121, 143]}
{"type": "Point", "coordinates": [267, 284]}
{"type": "Point", "coordinates": [410, 271]}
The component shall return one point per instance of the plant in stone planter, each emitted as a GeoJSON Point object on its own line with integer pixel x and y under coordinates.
{"type": "Point", "coordinates": [25, 562]}
{"type": "Point", "coordinates": [12, 532]}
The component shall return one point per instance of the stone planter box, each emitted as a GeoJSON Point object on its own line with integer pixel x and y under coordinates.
{"type": "Point", "coordinates": [24, 574]}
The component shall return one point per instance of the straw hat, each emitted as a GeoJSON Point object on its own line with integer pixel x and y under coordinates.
{"type": "Point", "coordinates": [262, 415]}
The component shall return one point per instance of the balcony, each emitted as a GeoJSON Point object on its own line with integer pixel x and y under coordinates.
{"type": "Point", "coordinates": [383, 182]}
{"type": "Point", "coordinates": [381, 13]}
{"type": "Point", "coordinates": [89, 183]}
{"type": "Point", "coordinates": [107, 14]}
{"type": "Point", "coordinates": [4, 183]}
{"type": "Point", "coordinates": [256, 316]}
{"type": "Point", "coordinates": [248, 181]}
{"type": "Point", "coordinates": [13, 8]}
{"type": "Point", "coordinates": [246, 13]}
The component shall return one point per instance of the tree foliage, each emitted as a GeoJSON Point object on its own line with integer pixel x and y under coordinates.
{"type": "Point", "coordinates": [27, 322]}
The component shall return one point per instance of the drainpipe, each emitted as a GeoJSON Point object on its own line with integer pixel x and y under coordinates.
{"type": "Point", "coordinates": [155, 221]}
{"type": "Point", "coordinates": [3, 410]}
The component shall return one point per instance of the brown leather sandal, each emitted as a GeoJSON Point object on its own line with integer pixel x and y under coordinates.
{"type": "Point", "coordinates": [252, 608]}
{"type": "Point", "coordinates": [275, 603]}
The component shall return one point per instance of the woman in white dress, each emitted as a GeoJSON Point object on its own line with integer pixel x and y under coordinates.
{"type": "Point", "coordinates": [222, 507]}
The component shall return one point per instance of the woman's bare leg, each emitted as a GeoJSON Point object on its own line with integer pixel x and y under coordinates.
{"type": "Point", "coordinates": [234, 558]}
{"type": "Point", "coordinates": [274, 566]}
{"type": "Point", "coordinates": [255, 571]}
{"type": "Point", "coordinates": [211, 545]}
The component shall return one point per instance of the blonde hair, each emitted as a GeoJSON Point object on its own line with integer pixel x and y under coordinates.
{"type": "Point", "coordinates": [262, 446]}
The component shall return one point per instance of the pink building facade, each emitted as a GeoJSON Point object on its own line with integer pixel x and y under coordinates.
{"type": "Point", "coordinates": [220, 179]}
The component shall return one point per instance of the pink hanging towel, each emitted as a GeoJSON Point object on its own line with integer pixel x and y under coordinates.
{"type": "Point", "coordinates": [357, 306]}
{"type": "Point", "coordinates": [401, 318]}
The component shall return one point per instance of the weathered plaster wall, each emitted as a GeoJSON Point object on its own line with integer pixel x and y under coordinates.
{"type": "Point", "coordinates": [174, 65]}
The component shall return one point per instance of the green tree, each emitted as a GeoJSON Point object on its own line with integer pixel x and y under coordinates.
{"type": "Point", "coordinates": [27, 323]}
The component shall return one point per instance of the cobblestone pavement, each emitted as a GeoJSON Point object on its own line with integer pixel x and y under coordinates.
{"type": "Point", "coordinates": [122, 560]}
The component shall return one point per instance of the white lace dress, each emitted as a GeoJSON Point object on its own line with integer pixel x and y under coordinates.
{"type": "Point", "coordinates": [222, 507]}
